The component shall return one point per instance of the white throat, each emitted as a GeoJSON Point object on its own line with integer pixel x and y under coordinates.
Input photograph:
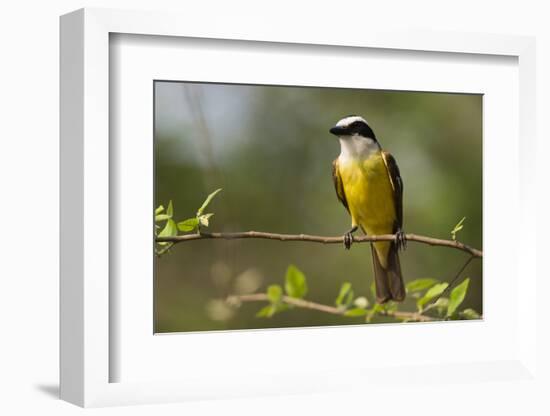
{"type": "Point", "coordinates": [357, 147]}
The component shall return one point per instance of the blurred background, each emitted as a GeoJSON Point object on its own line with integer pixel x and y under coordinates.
{"type": "Point", "coordinates": [269, 148]}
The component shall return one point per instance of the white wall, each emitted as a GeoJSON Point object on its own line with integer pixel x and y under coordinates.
{"type": "Point", "coordinates": [29, 174]}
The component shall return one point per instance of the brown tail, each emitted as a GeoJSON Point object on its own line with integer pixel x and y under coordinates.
{"type": "Point", "coordinates": [389, 282]}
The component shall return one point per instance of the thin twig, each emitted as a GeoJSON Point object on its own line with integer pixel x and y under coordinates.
{"type": "Point", "coordinates": [322, 239]}
{"type": "Point", "coordinates": [453, 280]}
{"type": "Point", "coordinates": [306, 304]}
{"type": "Point", "coordinates": [164, 249]}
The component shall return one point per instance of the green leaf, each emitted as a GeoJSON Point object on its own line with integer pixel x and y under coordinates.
{"type": "Point", "coordinates": [271, 309]}
{"type": "Point", "coordinates": [162, 217]}
{"type": "Point", "coordinates": [170, 229]}
{"type": "Point", "coordinates": [189, 224]}
{"type": "Point", "coordinates": [433, 292]}
{"type": "Point", "coordinates": [457, 296]}
{"type": "Point", "coordinates": [266, 312]}
{"type": "Point", "coordinates": [281, 307]}
{"type": "Point", "coordinates": [207, 201]}
{"type": "Point", "coordinates": [275, 294]}
{"type": "Point", "coordinates": [204, 219]}
{"type": "Point", "coordinates": [295, 282]}
{"type": "Point", "coordinates": [356, 312]}
{"type": "Point", "coordinates": [419, 285]}
{"type": "Point", "coordinates": [170, 209]}
{"type": "Point", "coordinates": [389, 306]}
{"type": "Point", "coordinates": [344, 291]}
{"type": "Point", "coordinates": [441, 305]}
{"type": "Point", "coordinates": [159, 210]}
{"type": "Point", "coordinates": [459, 226]}
{"type": "Point", "coordinates": [469, 314]}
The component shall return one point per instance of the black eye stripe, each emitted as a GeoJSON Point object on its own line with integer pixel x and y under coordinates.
{"type": "Point", "coordinates": [359, 127]}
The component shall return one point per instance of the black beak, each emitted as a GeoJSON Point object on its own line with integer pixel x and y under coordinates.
{"type": "Point", "coordinates": [338, 131]}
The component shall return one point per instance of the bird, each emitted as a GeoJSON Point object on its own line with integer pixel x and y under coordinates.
{"type": "Point", "coordinates": [369, 185]}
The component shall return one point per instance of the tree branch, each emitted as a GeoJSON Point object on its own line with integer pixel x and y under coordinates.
{"type": "Point", "coordinates": [321, 239]}
{"type": "Point", "coordinates": [306, 304]}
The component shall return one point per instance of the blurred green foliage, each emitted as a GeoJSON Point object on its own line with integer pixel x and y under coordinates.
{"type": "Point", "coordinates": [270, 150]}
{"type": "Point", "coordinates": [423, 289]}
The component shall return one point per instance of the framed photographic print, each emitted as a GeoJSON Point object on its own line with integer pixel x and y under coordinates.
{"type": "Point", "coordinates": [266, 213]}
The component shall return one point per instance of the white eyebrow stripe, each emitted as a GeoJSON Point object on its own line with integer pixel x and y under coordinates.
{"type": "Point", "coordinates": [346, 121]}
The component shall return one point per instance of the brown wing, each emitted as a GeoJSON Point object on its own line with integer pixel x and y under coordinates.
{"type": "Point", "coordinates": [338, 185]}
{"type": "Point", "coordinates": [397, 185]}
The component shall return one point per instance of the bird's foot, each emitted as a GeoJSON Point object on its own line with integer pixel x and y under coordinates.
{"type": "Point", "coordinates": [400, 240]}
{"type": "Point", "coordinates": [348, 238]}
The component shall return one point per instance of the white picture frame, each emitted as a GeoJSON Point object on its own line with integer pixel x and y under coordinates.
{"type": "Point", "coordinates": [87, 356]}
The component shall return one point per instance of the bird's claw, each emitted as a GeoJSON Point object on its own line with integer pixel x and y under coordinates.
{"type": "Point", "coordinates": [348, 240]}
{"type": "Point", "coordinates": [400, 240]}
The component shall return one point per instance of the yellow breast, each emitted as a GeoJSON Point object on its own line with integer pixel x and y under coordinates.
{"type": "Point", "coordinates": [369, 193]}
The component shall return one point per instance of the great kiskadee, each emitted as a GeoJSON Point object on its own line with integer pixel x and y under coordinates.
{"type": "Point", "coordinates": [369, 185]}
